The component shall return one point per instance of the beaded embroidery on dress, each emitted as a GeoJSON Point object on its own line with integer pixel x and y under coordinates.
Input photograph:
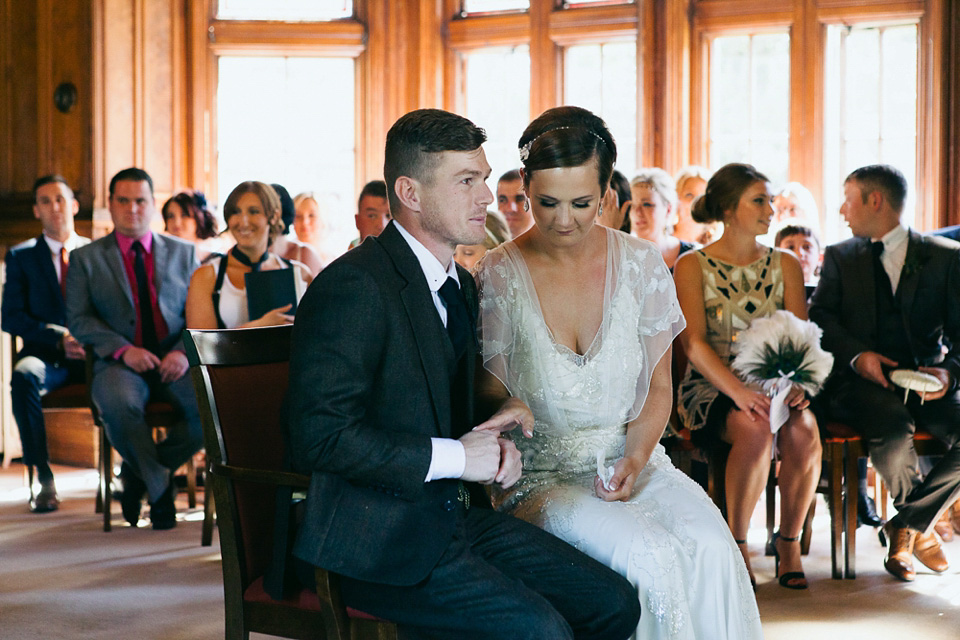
{"type": "Point", "coordinates": [668, 539]}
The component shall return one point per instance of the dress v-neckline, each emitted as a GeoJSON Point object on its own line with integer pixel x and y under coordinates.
{"type": "Point", "coordinates": [534, 298]}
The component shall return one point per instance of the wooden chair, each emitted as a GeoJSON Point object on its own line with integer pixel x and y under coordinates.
{"type": "Point", "coordinates": [241, 380]}
{"type": "Point", "coordinates": [159, 416]}
{"type": "Point", "coordinates": [852, 449]}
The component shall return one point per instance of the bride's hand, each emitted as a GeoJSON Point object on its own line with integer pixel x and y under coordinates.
{"type": "Point", "coordinates": [625, 474]}
{"type": "Point", "coordinates": [513, 412]}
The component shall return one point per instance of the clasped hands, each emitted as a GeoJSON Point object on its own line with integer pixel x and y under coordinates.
{"type": "Point", "coordinates": [490, 458]}
{"type": "Point", "coordinates": [756, 404]}
{"type": "Point", "coordinates": [171, 367]}
{"type": "Point", "coordinates": [869, 364]}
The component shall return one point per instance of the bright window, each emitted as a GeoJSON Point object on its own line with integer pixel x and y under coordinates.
{"type": "Point", "coordinates": [286, 10]}
{"type": "Point", "coordinates": [498, 99]}
{"type": "Point", "coordinates": [483, 6]}
{"type": "Point", "coordinates": [279, 121]}
{"type": "Point", "coordinates": [603, 79]}
{"type": "Point", "coordinates": [870, 110]}
{"type": "Point", "coordinates": [750, 102]}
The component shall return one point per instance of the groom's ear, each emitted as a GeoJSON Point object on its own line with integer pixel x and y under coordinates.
{"type": "Point", "coordinates": [408, 193]}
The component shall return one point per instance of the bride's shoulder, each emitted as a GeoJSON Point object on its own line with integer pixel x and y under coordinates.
{"type": "Point", "coordinates": [638, 251]}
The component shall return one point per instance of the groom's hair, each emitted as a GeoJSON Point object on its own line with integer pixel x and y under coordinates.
{"type": "Point", "coordinates": [415, 140]}
{"type": "Point", "coordinates": [883, 178]}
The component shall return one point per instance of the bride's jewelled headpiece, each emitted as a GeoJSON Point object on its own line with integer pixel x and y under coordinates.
{"type": "Point", "coordinates": [525, 149]}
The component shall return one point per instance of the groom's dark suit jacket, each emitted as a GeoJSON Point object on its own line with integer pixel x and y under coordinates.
{"type": "Point", "coordinates": [370, 384]}
{"type": "Point", "coordinates": [844, 303]}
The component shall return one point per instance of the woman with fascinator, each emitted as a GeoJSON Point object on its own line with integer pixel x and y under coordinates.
{"type": "Point", "coordinates": [577, 320]}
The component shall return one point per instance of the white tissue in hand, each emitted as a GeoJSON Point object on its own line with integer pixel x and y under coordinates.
{"type": "Point", "coordinates": [605, 472]}
{"type": "Point", "coordinates": [779, 411]}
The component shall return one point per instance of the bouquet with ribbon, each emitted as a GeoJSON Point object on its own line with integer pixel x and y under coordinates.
{"type": "Point", "coordinates": [777, 352]}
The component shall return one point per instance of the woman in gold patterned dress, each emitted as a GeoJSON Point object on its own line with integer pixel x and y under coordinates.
{"type": "Point", "coordinates": [721, 289]}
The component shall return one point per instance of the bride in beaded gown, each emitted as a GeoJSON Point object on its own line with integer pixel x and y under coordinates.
{"type": "Point", "coordinates": [654, 525]}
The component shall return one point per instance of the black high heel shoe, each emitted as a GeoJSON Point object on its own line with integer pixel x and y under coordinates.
{"type": "Point", "coordinates": [787, 579]}
{"type": "Point", "coordinates": [753, 581]}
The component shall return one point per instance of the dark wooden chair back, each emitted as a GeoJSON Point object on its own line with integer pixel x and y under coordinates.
{"type": "Point", "coordinates": [241, 377]}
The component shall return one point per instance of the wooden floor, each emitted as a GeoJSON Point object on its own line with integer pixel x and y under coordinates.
{"type": "Point", "coordinates": [61, 576]}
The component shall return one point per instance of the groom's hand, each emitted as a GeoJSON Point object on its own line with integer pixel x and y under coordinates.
{"type": "Point", "coordinates": [511, 463]}
{"type": "Point", "coordinates": [482, 451]}
{"type": "Point", "coordinates": [513, 412]}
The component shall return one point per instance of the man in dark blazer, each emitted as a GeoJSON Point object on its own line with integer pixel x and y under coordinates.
{"type": "Point", "coordinates": [33, 309]}
{"type": "Point", "coordinates": [382, 416]}
{"type": "Point", "coordinates": [890, 299]}
{"type": "Point", "coordinates": [126, 297]}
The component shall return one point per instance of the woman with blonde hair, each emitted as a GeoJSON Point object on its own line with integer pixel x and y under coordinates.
{"type": "Point", "coordinates": [653, 201]}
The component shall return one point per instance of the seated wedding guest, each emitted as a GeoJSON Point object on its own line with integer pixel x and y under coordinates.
{"type": "Point", "coordinates": [126, 294]}
{"type": "Point", "coordinates": [307, 221]}
{"type": "Point", "coordinates": [795, 203]}
{"type": "Point", "coordinates": [888, 299]}
{"type": "Point", "coordinates": [722, 288]}
{"type": "Point", "coordinates": [653, 200]}
{"type": "Point", "coordinates": [33, 309]}
{"type": "Point", "coordinates": [691, 182]}
{"type": "Point", "coordinates": [385, 417]}
{"type": "Point", "coordinates": [217, 297]}
{"type": "Point", "coordinates": [186, 216]}
{"type": "Point", "coordinates": [600, 391]}
{"type": "Point", "coordinates": [512, 203]}
{"type": "Point", "coordinates": [616, 201]}
{"type": "Point", "coordinates": [468, 255]}
{"type": "Point", "coordinates": [803, 242]}
{"type": "Point", "coordinates": [286, 244]}
{"type": "Point", "coordinates": [373, 211]}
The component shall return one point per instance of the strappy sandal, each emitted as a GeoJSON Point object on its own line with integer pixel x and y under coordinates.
{"type": "Point", "coordinates": [792, 579]}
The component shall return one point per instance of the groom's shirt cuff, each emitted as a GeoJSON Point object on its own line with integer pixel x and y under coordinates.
{"type": "Point", "coordinates": [447, 460]}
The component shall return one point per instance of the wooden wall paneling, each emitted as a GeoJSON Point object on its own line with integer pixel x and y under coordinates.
{"type": "Point", "coordinates": [930, 210]}
{"type": "Point", "coordinates": [546, 89]}
{"type": "Point", "coordinates": [950, 151]}
{"type": "Point", "coordinates": [430, 55]}
{"type": "Point", "coordinates": [197, 117]}
{"type": "Point", "coordinates": [806, 99]}
{"type": "Point", "coordinates": [647, 42]}
{"type": "Point", "coordinates": [159, 143]}
{"type": "Point", "coordinates": [488, 31]}
{"type": "Point", "coordinates": [19, 98]}
{"type": "Point", "coordinates": [675, 95]}
{"type": "Point", "coordinates": [121, 124]}
{"type": "Point", "coordinates": [372, 67]}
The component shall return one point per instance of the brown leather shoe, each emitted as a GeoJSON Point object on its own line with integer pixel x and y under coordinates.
{"type": "Point", "coordinates": [944, 527]}
{"type": "Point", "coordinates": [47, 500]}
{"type": "Point", "coordinates": [898, 561]}
{"type": "Point", "coordinates": [927, 549]}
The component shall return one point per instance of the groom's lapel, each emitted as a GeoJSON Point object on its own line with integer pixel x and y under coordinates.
{"type": "Point", "coordinates": [424, 321]}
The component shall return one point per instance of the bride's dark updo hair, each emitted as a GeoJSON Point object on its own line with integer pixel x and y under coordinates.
{"type": "Point", "coordinates": [567, 137]}
{"type": "Point", "coordinates": [724, 190]}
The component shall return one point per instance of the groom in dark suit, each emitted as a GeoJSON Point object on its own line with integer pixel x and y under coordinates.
{"type": "Point", "coordinates": [33, 309]}
{"type": "Point", "coordinates": [126, 297]}
{"type": "Point", "coordinates": [383, 417]}
{"type": "Point", "coordinates": [890, 299]}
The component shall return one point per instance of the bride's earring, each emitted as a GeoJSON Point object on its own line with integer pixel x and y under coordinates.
{"type": "Point", "coordinates": [526, 204]}
{"type": "Point", "coordinates": [600, 211]}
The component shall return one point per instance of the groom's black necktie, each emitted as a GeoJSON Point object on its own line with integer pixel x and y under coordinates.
{"type": "Point", "coordinates": [458, 322]}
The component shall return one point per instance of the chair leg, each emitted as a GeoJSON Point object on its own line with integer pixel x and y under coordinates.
{"type": "Point", "coordinates": [835, 454]}
{"type": "Point", "coordinates": [28, 478]}
{"type": "Point", "coordinates": [850, 516]}
{"type": "Point", "coordinates": [771, 495]}
{"type": "Point", "coordinates": [807, 533]}
{"type": "Point", "coordinates": [106, 478]}
{"type": "Point", "coordinates": [206, 536]}
{"type": "Point", "coordinates": [191, 483]}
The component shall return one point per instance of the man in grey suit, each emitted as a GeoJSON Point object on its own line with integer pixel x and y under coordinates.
{"type": "Point", "coordinates": [383, 418]}
{"type": "Point", "coordinates": [33, 309]}
{"type": "Point", "coordinates": [890, 299]}
{"type": "Point", "coordinates": [126, 295]}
